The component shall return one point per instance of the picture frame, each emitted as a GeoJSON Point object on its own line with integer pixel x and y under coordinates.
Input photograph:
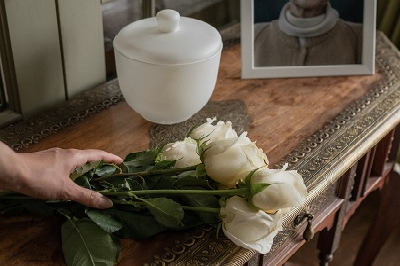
{"type": "Point", "coordinates": [365, 67]}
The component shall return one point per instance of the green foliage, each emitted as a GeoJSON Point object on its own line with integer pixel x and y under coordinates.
{"type": "Point", "coordinates": [198, 200]}
{"type": "Point", "coordinates": [81, 170]}
{"type": "Point", "coordinates": [144, 190]}
{"type": "Point", "coordinates": [106, 222]}
{"type": "Point", "coordinates": [166, 211]}
{"type": "Point", "coordinates": [105, 170]}
{"type": "Point", "coordinates": [85, 243]}
{"type": "Point", "coordinates": [135, 225]}
{"type": "Point", "coordinates": [137, 162]}
{"type": "Point", "coordinates": [11, 207]}
{"type": "Point", "coordinates": [38, 207]}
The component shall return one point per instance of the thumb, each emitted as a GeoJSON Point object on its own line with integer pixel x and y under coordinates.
{"type": "Point", "coordinates": [90, 198]}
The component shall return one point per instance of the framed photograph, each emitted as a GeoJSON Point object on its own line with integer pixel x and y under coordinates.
{"type": "Point", "coordinates": [287, 38]}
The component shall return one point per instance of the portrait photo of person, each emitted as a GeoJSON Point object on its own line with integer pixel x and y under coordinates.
{"type": "Point", "coordinates": [308, 33]}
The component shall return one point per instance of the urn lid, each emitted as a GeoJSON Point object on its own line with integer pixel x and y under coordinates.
{"type": "Point", "coordinates": [168, 39]}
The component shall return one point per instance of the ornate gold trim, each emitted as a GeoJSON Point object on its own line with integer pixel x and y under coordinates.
{"type": "Point", "coordinates": [24, 133]}
{"type": "Point", "coordinates": [324, 157]}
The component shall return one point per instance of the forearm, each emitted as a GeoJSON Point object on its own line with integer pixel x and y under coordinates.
{"type": "Point", "coordinates": [8, 168]}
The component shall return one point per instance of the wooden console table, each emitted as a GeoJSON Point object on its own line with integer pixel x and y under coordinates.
{"type": "Point", "coordinates": [341, 133]}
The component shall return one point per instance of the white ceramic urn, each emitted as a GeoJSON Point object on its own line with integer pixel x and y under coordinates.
{"type": "Point", "coordinates": [167, 66]}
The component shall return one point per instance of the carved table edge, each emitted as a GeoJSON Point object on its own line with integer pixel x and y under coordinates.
{"type": "Point", "coordinates": [325, 156]}
{"type": "Point", "coordinates": [331, 151]}
{"type": "Point", "coordinates": [24, 133]}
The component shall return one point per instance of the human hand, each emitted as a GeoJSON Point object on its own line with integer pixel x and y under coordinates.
{"type": "Point", "coordinates": [45, 174]}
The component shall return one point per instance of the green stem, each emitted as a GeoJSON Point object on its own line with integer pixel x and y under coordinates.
{"type": "Point", "coordinates": [201, 209]}
{"type": "Point", "coordinates": [149, 172]}
{"type": "Point", "coordinates": [124, 202]}
{"type": "Point", "coordinates": [222, 192]}
{"type": "Point", "coordinates": [188, 208]}
{"type": "Point", "coordinates": [65, 215]}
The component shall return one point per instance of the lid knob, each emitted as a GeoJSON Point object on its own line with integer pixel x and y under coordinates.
{"type": "Point", "coordinates": [168, 20]}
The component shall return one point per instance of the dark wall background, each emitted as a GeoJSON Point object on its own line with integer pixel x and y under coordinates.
{"type": "Point", "coordinates": [351, 10]}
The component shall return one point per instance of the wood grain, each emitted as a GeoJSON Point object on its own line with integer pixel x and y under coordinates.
{"type": "Point", "coordinates": [283, 111]}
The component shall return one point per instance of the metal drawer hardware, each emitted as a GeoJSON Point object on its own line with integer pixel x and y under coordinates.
{"type": "Point", "coordinates": [308, 233]}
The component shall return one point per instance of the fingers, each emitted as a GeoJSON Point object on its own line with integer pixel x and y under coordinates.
{"type": "Point", "coordinates": [95, 155]}
{"type": "Point", "coordinates": [105, 156]}
{"type": "Point", "coordinates": [90, 198]}
{"type": "Point", "coordinates": [85, 196]}
{"type": "Point", "coordinates": [85, 155]}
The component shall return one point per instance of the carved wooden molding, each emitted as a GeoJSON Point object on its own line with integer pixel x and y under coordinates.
{"type": "Point", "coordinates": [24, 133]}
{"type": "Point", "coordinates": [330, 152]}
{"type": "Point", "coordinates": [324, 157]}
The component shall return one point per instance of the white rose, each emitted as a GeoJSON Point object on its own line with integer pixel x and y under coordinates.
{"type": "Point", "coordinates": [227, 161]}
{"type": "Point", "coordinates": [184, 152]}
{"type": "Point", "coordinates": [248, 228]}
{"type": "Point", "coordinates": [209, 132]}
{"type": "Point", "coordinates": [286, 189]}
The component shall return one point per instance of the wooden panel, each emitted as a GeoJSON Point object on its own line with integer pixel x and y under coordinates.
{"type": "Point", "coordinates": [81, 30]}
{"type": "Point", "coordinates": [7, 63]}
{"type": "Point", "coordinates": [381, 157]}
{"type": "Point", "coordinates": [363, 170]}
{"type": "Point", "coordinates": [329, 240]}
{"type": "Point", "coordinates": [394, 152]}
{"type": "Point", "coordinates": [385, 221]}
{"type": "Point", "coordinates": [36, 53]}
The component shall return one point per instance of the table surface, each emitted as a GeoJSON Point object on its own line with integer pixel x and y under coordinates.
{"type": "Point", "coordinates": [320, 126]}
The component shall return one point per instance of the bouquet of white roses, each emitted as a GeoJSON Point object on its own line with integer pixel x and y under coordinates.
{"type": "Point", "coordinates": [212, 176]}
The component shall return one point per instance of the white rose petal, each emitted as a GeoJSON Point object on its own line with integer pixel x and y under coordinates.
{"type": "Point", "coordinates": [287, 189]}
{"type": "Point", "coordinates": [209, 132]}
{"type": "Point", "coordinates": [227, 161]}
{"type": "Point", "coordinates": [247, 228]}
{"type": "Point", "coordinates": [184, 152]}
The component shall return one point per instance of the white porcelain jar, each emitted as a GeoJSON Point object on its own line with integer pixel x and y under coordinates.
{"type": "Point", "coordinates": [167, 66]}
